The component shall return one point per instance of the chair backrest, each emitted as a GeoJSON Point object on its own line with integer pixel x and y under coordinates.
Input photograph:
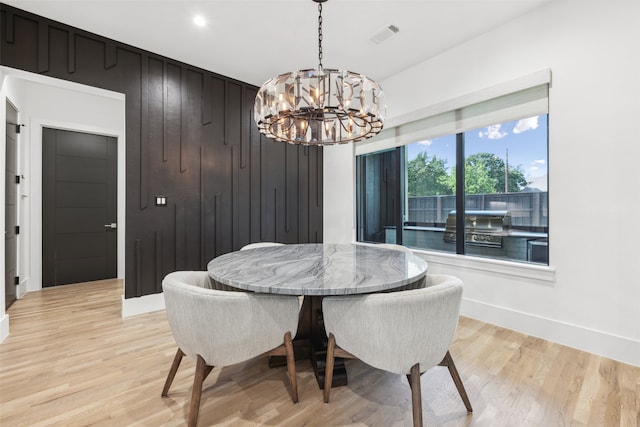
{"type": "Point", "coordinates": [394, 246]}
{"type": "Point", "coordinates": [260, 245]}
{"type": "Point", "coordinates": [393, 331]}
{"type": "Point", "coordinates": [203, 280]}
{"type": "Point", "coordinates": [225, 327]}
{"type": "Point", "coordinates": [417, 284]}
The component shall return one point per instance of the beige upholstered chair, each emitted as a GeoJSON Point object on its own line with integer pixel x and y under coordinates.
{"type": "Point", "coordinates": [417, 284]}
{"type": "Point", "coordinates": [406, 332]}
{"type": "Point", "coordinates": [260, 245]}
{"type": "Point", "coordinates": [394, 246]}
{"type": "Point", "coordinates": [265, 245]}
{"type": "Point", "coordinates": [220, 328]}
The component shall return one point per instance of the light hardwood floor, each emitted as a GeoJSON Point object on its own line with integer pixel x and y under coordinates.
{"type": "Point", "coordinates": [71, 360]}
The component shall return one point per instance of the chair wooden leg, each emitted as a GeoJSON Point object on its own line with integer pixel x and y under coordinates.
{"type": "Point", "coordinates": [328, 370]}
{"type": "Point", "coordinates": [207, 371]}
{"type": "Point", "coordinates": [194, 407]}
{"type": "Point", "coordinates": [416, 395]}
{"type": "Point", "coordinates": [448, 362]}
{"type": "Point", "coordinates": [291, 366]}
{"type": "Point", "coordinates": [172, 372]}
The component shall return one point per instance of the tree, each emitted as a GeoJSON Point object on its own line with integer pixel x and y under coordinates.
{"type": "Point", "coordinates": [427, 176]}
{"type": "Point", "coordinates": [485, 173]}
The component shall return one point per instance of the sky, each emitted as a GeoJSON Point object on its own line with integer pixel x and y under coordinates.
{"type": "Point", "coordinates": [524, 140]}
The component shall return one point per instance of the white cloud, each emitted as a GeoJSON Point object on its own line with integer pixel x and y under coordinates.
{"type": "Point", "coordinates": [492, 132]}
{"type": "Point", "coordinates": [426, 142]}
{"type": "Point", "coordinates": [526, 124]}
{"type": "Point", "coordinates": [534, 166]}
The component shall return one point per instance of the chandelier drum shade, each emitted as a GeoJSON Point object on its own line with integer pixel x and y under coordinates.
{"type": "Point", "coordinates": [320, 106]}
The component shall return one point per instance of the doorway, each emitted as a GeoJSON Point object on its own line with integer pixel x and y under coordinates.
{"type": "Point", "coordinates": [79, 207]}
{"type": "Point", "coordinates": [10, 207]}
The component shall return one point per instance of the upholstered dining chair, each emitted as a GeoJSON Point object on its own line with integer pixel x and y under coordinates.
{"type": "Point", "coordinates": [394, 246]}
{"type": "Point", "coordinates": [405, 332]}
{"type": "Point", "coordinates": [266, 245]}
{"type": "Point", "coordinates": [260, 245]}
{"type": "Point", "coordinates": [417, 284]}
{"type": "Point", "coordinates": [221, 328]}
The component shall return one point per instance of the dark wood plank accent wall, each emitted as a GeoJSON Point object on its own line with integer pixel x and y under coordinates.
{"type": "Point", "coordinates": [190, 136]}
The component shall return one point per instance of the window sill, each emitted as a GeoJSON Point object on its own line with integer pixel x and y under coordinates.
{"type": "Point", "coordinates": [541, 273]}
{"type": "Point", "coordinates": [530, 271]}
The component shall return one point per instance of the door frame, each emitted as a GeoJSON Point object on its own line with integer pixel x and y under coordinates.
{"type": "Point", "coordinates": [111, 159]}
{"type": "Point", "coordinates": [18, 200]}
{"type": "Point", "coordinates": [36, 214]}
{"type": "Point", "coordinates": [88, 120]}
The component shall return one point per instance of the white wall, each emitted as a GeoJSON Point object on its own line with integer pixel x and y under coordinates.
{"type": "Point", "coordinates": [339, 212]}
{"type": "Point", "coordinates": [47, 102]}
{"type": "Point", "coordinates": [589, 298]}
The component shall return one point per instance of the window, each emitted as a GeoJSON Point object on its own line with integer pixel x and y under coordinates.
{"type": "Point", "coordinates": [487, 159]}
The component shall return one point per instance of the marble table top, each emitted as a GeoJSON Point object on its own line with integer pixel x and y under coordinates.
{"type": "Point", "coordinates": [317, 269]}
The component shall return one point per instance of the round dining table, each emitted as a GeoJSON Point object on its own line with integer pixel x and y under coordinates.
{"type": "Point", "coordinates": [315, 270]}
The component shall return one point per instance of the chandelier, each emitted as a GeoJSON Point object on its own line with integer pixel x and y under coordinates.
{"type": "Point", "coordinates": [320, 107]}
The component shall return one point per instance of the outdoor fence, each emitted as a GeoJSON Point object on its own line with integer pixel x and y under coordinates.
{"type": "Point", "coordinates": [528, 208]}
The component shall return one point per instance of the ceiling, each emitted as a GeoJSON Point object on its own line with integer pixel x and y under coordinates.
{"type": "Point", "coordinates": [254, 40]}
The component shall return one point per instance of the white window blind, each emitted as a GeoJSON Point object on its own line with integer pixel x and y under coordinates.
{"type": "Point", "coordinates": [521, 98]}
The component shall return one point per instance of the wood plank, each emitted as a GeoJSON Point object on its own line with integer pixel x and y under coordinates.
{"type": "Point", "coordinates": [71, 359]}
{"type": "Point", "coordinates": [43, 47]}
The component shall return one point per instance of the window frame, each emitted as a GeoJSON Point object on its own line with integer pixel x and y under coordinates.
{"type": "Point", "coordinates": [393, 139]}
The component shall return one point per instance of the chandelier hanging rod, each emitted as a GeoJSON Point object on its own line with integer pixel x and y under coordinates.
{"type": "Point", "coordinates": [319, 32]}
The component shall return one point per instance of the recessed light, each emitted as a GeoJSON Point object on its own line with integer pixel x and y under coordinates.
{"type": "Point", "coordinates": [199, 20]}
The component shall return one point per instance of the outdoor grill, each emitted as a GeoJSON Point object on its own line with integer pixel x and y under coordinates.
{"type": "Point", "coordinates": [482, 228]}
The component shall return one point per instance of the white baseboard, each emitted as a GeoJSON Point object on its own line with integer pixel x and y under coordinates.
{"type": "Point", "coordinates": [22, 288]}
{"type": "Point", "coordinates": [593, 341]}
{"type": "Point", "coordinates": [4, 327]}
{"type": "Point", "coordinates": [143, 304]}
{"type": "Point", "coordinates": [590, 340]}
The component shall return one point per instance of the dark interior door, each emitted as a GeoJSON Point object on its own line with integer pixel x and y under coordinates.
{"type": "Point", "coordinates": [79, 239]}
{"type": "Point", "coordinates": [10, 238]}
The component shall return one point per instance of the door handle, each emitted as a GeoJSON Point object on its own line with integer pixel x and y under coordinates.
{"type": "Point", "coordinates": [112, 225]}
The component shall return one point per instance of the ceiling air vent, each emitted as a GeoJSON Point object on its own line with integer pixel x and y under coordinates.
{"type": "Point", "coordinates": [384, 34]}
